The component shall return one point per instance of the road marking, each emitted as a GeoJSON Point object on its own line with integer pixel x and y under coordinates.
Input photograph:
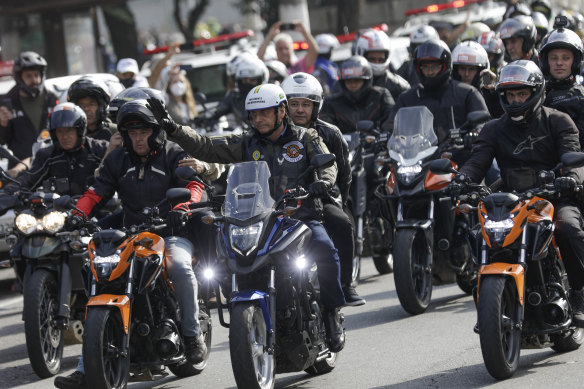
{"type": "Point", "coordinates": [9, 302]}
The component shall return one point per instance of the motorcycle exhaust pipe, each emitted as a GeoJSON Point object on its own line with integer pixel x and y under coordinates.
{"type": "Point", "coordinates": [556, 312]}
{"type": "Point", "coordinates": [167, 341]}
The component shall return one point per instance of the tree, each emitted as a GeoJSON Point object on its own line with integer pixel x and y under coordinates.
{"type": "Point", "coordinates": [348, 14]}
{"type": "Point", "coordinates": [194, 16]}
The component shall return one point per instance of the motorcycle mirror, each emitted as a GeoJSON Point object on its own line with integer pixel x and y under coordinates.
{"type": "Point", "coordinates": [365, 126]}
{"type": "Point", "coordinates": [573, 159]}
{"type": "Point", "coordinates": [178, 195]}
{"type": "Point", "coordinates": [477, 117]}
{"type": "Point", "coordinates": [186, 173]}
{"type": "Point", "coordinates": [441, 166]}
{"type": "Point", "coordinates": [63, 203]}
{"type": "Point", "coordinates": [322, 160]}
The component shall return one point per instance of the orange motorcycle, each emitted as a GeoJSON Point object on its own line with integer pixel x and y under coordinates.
{"type": "Point", "coordinates": [522, 294]}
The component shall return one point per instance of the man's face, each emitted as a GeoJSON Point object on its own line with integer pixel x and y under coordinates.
{"type": "Point", "coordinates": [301, 111]}
{"type": "Point", "coordinates": [90, 106]}
{"type": "Point", "coordinates": [517, 96]}
{"type": "Point", "coordinates": [513, 48]}
{"type": "Point", "coordinates": [467, 73]}
{"type": "Point", "coordinates": [250, 81]}
{"type": "Point", "coordinates": [560, 61]}
{"type": "Point", "coordinates": [354, 84]}
{"type": "Point", "coordinates": [431, 68]}
{"type": "Point", "coordinates": [284, 51]}
{"type": "Point", "coordinates": [31, 77]}
{"type": "Point", "coordinates": [67, 137]}
{"type": "Point", "coordinates": [375, 56]}
{"type": "Point", "coordinates": [139, 138]}
{"type": "Point", "coordinates": [264, 119]}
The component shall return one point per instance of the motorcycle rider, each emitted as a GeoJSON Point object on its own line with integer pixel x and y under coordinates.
{"type": "Point", "coordinates": [561, 59]}
{"type": "Point", "coordinates": [493, 45]}
{"type": "Point", "coordinates": [25, 110]}
{"type": "Point", "coordinates": [420, 35]}
{"type": "Point", "coordinates": [141, 172]}
{"type": "Point", "coordinates": [542, 25]}
{"type": "Point", "coordinates": [288, 150]}
{"type": "Point", "coordinates": [359, 99]}
{"type": "Point", "coordinates": [469, 58]}
{"type": "Point", "coordinates": [529, 138]}
{"type": "Point", "coordinates": [375, 47]}
{"type": "Point", "coordinates": [518, 35]}
{"type": "Point", "coordinates": [92, 95]}
{"type": "Point", "coordinates": [449, 100]}
{"type": "Point", "coordinates": [305, 96]}
{"type": "Point", "coordinates": [72, 158]}
{"type": "Point", "coordinates": [325, 70]}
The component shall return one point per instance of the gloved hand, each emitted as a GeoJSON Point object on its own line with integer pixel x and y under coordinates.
{"type": "Point", "coordinates": [565, 185]}
{"type": "Point", "coordinates": [175, 218]}
{"type": "Point", "coordinates": [162, 116]}
{"type": "Point", "coordinates": [74, 221]}
{"type": "Point", "coordinates": [469, 139]}
{"type": "Point", "coordinates": [318, 188]}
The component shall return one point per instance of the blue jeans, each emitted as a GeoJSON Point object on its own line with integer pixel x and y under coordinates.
{"type": "Point", "coordinates": [328, 266]}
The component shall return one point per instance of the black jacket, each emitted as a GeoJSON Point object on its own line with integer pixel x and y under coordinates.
{"type": "Point", "coordinates": [105, 130]}
{"type": "Point", "coordinates": [233, 102]}
{"type": "Point", "coordinates": [20, 133]}
{"type": "Point", "coordinates": [395, 84]}
{"type": "Point", "coordinates": [375, 105]}
{"type": "Point", "coordinates": [524, 150]}
{"type": "Point", "coordinates": [336, 143]}
{"type": "Point", "coordinates": [408, 72]}
{"type": "Point", "coordinates": [73, 171]}
{"type": "Point", "coordinates": [567, 97]}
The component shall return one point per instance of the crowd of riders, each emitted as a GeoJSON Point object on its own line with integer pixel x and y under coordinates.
{"type": "Point", "coordinates": [525, 70]}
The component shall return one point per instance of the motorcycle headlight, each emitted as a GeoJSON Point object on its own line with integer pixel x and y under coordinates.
{"type": "Point", "coordinates": [105, 265]}
{"type": "Point", "coordinates": [497, 230]}
{"type": "Point", "coordinates": [245, 239]}
{"type": "Point", "coordinates": [406, 174]}
{"type": "Point", "coordinates": [26, 223]}
{"type": "Point", "coordinates": [53, 221]}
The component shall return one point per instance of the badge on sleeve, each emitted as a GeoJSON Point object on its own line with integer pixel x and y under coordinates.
{"type": "Point", "coordinates": [256, 155]}
{"type": "Point", "coordinates": [293, 151]}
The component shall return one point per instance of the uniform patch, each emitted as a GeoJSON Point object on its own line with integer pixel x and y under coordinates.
{"type": "Point", "coordinates": [293, 151]}
{"type": "Point", "coordinates": [256, 155]}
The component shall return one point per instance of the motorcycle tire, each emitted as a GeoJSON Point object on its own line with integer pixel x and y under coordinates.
{"type": "Point", "coordinates": [187, 369]}
{"type": "Point", "coordinates": [572, 341]}
{"type": "Point", "coordinates": [44, 342]}
{"type": "Point", "coordinates": [105, 367]}
{"type": "Point", "coordinates": [383, 263]}
{"type": "Point", "coordinates": [497, 314]}
{"type": "Point", "coordinates": [412, 270]}
{"type": "Point", "coordinates": [253, 367]}
{"type": "Point", "coordinates": [466, 282]}
{"type": "Point", "coordinates": [325, 366]}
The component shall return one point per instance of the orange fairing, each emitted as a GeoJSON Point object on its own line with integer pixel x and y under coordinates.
{"type": "Point", "coordinates": [438, 181]}
{"type": "Point", "coordinates": [122, 302]}
{"type": "Point", "coordinates": [516, 271]}
{"type": "Point", "coordinates": [127, 248]}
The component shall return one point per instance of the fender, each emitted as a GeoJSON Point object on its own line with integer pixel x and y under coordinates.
{"type": "Point", "coordinates": [121, 301]}
{"type": "Point", "coordinates": [255, 295]}
{"type": "Point", "coordinates": [507, 270]}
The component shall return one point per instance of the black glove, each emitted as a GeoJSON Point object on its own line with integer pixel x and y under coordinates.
{"type": "Point", "coordinates": [175, 219]}
{"type": "Point", "coordinates": [469, 139]}
{"type": "Point", "coordinates": [565, 185]}
{"type": "Point", "coordinates": [162, 116]}
{"type": "Point", "coordinates": [74, 221]}
{"type": "Point", "coordinates": [318, 188]}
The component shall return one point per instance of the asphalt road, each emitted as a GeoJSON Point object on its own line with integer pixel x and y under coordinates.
{"type": "Point", "coordinates": [386, 348]}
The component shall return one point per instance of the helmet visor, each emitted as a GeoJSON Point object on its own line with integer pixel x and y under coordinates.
{"type": "Point", "coordinates": [515, 77]}
{"type": "Point", "coordinates": [64, 118]}
{"type": "Point", "coordinates": [429, 53]}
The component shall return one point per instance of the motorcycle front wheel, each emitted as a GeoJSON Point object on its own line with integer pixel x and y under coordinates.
{"type": "Point", "coordinates": [383, 263]}
{"type": "Point", "coordinates": [105, 365]}
{"type": "Point", "coordinates": [44, 341]}
{"type": "Point", "coordinates": [253, 367]}
{"type": "Point", "coordinates": [497, 319]}
{"type": "Point", "coordinates": [412, 270]}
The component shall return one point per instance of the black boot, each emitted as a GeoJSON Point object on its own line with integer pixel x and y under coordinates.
{"type": "Point", "coordinates": [333, 323]}
{"type": "Point", "coordinates": [352, 299]}
{"type": "Point", "coordinates": [74, 381]}
{"type": "Point", "coordinates": [577, 302]}
{"type": "Point", "coordinates": [195, 349]}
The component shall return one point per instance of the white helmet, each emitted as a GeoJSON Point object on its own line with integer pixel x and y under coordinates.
{"type": "Point", "coordinates": [326, 43]}
{"type": "Point", "coordinates": [470, 53]}
{"type": "Point", "coordinates": [473, 31]}
{"type": "Point", "coordinates": [265, 96]}
{"type": "Point", "coordinates": [373, 40]}
{"type": "Point", "coordinates": [252, 68]}
{"type": "Point", "coordinates": [421, 35]}
{"type": "Point", "coordinates": [235, 61]}
{"type": "Point", "coordinates": [304, 86]}
{"type": "Point", "coordinates": [277, 70]}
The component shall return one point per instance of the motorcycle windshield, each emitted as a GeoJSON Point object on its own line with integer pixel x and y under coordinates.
{"type": "Point", "coordinates": [248, 190]}
{"type": "Point", "coordinates": [413, 137]}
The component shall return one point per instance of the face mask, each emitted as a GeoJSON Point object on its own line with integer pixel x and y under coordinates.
{"type": "Point", "coordinates": [128, 82]}
{"type": "Point", "coordinates": [178, 88]}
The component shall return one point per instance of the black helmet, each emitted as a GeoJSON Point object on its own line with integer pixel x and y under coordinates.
{"type": "Point", "coordinates": [433, 50]}
{"type": "Point", "coordinates": [134, 93]}
{"type": "Point", "coordinates": [137, 114]}
{"type": "Point", "coordinates": [521, 26]}
{"type": "Point", "coordinates": [356, 68]}
{"type": "Point", "coordinates": [88, 86]}
{"type": "Point", "coordinates": [29, 60]}
{"type": "Point", "coordinates": [561, 38]}
{"type": "Point", "coordinates": [518, 75]}
{"type": "Point", "coordinates": [68, 115]}
{"type": "Point", "coordinates": [542, 6]}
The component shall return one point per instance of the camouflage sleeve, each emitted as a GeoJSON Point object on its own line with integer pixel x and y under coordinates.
{"type": "Point", "coordinates": [219, 149]}
{"type": "Point", "coordinates": [314, 146]}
